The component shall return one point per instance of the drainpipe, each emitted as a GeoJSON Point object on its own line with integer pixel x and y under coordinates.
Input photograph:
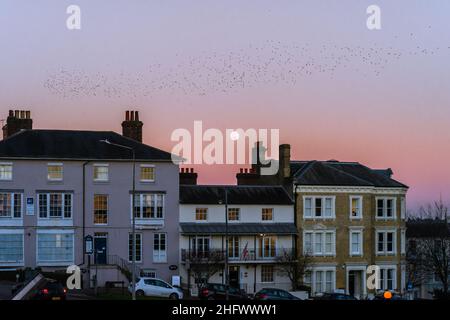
{"type": "Point", "coordinates": [84, 210]}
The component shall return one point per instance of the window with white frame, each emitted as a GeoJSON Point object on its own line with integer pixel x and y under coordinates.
{"type": "Point", "coordinates": [267, 273]}
{"type": "Point", "coordinates": [149, 206]}
{"type": "Point", "coordinates": [403, 242]}
{"type": "Point", "coordinates": [160, 247]}
{"type": "Point", "coordinates": [6, 171]}
{"type": "Point", "coordinates": [100, 209]}
{"type": "Point", "coordinates": [55, 205]}
{"type": "Point", "coordinates": [385, 241]}
{"type": "Point", "coordinates": [388, 278]}
{"type": "Point", "coordinates": [54, 172]}
{"type": "Point", "coordinates": [356, 242]}
{"type": "Point", "coordinates": [386, 208]}
{"type": "Point", "coordinates": [319, 207]}
{"type": "Point", "coordinates": [10, 205]}
{"type": "Point", "coordinates": [403, 208]}
{"type": "Point", "coordinates": [319, 243]}
{"type": "Point", "coordinates": [55, 247]}
{"type": "Point", "coordinates": [147, 173]}
{"type": "Point", "coordinates": [233, 214]}
{"type": "Point", "coordinates": [267, 246]}
{"type": "Point", "coordinates": [233, 247]}
{"type": "Point", "coordinates": [267, 214]}
{"type": "Point", "coordinates": [101, 172]}
{"type": "Point", "coordinates": [356, 207]}
{"type": "Point", "coordinates": [11, 248]}
{"type": "Point", "coordinates": [323, 281]}
{"type": "Point", "coordinates": [200, 244]}
{"type": "Point", "coordinates": [138, 243]}
{"type": "Point", "coordinates": [201, 214]}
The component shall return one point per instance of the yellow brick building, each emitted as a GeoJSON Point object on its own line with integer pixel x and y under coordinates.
{"type": "Point", "coordinates": [350, 217]}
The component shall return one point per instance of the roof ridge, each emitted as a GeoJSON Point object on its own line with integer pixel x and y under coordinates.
{"type": "Point", "coordinates": [349, 174]}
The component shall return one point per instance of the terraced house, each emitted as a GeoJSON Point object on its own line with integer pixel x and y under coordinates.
{"type": "Point", "coordinates": [348, 216]}
{"type": "Point", "coordinates": [256, 221]}
{"type": "Point", "coordinates": [59, 186]}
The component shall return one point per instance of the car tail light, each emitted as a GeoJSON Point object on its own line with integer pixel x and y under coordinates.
{"type": "Point", "coordinates": [262, 296]}
{"type": "Point", "coordinates": [44, 291]}
{"type": "Point", "coordinates": [65, 290]}
{"type": "Point", "coordinates": [205, 292]}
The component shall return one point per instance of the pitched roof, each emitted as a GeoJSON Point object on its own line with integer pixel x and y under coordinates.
{"type": "Point", "coordinates": [236, 194]}
{"type": "Point", "coordinates": [80, 145]}
{"type": "Point", "coordinates": [335, 173]}
{"type": "Point", "coordinates": [238, 228]}
{"type": "Point", "coordinates": [427, 228]}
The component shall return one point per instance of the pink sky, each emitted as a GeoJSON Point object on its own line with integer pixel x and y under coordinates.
{"type": "Point", "coordinates": [334, 89]}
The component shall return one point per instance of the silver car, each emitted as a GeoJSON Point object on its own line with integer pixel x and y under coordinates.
{"type": "Point", "coordinates": [152, 287]}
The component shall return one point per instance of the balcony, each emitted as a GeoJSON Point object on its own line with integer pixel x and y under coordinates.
{"type": "Point", "coordinates": [243, 256]}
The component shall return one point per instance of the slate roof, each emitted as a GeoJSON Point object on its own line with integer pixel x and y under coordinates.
{"type": "Point", "coordinates": [427, 228]}
{"type": "Point", "coordinates": [236, 194]}
{"type": "Point", "coordinates": [335, 173]}
{"type": "Point", "coordinates": [239, 228]}
{"type": "Point", "coordinates": [80, 145]}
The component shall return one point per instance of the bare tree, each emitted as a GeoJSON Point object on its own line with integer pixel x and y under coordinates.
{"type": "Point", "coordinates": [295, 267]}
{"type": "Point", "coordinates": [429, 257]}
{"type": "Point", "coordinates": [203, 265]}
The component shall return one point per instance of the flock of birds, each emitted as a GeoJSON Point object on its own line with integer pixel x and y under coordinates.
{"type": "Point", "coordinates": [211, 72]}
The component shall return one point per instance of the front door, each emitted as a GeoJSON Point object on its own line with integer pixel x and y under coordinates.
{"type": "Point", "coordinates": [355, 283]}
{"type": "Point", "coordinates": [234, 276]}
{"type": "Point", "coordinates": [100, 249]}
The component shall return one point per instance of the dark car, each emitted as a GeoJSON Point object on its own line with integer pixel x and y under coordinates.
{"type": "Point", "coordinates": [274, 294]}
{"type": "Point", "coordinates": [217, 291]}
{"type": "Point", "coordinates": [392, 296]}
{"type": "Point", "coordinates": [50, 290]}
{"type": "Point", "coordinates": [335, 296]}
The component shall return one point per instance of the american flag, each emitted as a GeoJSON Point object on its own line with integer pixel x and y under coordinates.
{"type": "Point", "coordinates": [245, 252]}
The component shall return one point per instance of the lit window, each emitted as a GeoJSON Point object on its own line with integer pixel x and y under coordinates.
{"type": "Point", "coordinates": [267, 247]}
{"type": "Point", "coordinates": [147, 173]}
{"type": "Point", "coordinates": [267, 214]}
{"type": "Point", "coordinates": [10, 205]}
{"type": "Point", "coordinates": [267, 273]}
{"type": "Point", "coordinates": [101, 172]}
{"type": "Point", "coordinates": [148, 206]}
{"type": "Point", "coordinates": [55, 205]}
{"type": "Point", "coordinates": [100, 209]}
{"type": "Point", "coordinates": [233, 214]}
{"type": "Point", "coordinates": [6, 171]}
{"type": "Point", "coordinates": [233, 247]}
{"type": "Point", "coordinates": [201, 214]}
{"type": "Point", "coordinates": [356, 207]}
{"type": "Point", "coordinates": [54, 172]}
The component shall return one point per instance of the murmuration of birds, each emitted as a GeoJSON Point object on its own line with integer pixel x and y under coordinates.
{"type": "Point", "coordinates": [273, 63]}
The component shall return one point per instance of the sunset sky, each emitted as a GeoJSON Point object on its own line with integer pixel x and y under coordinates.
{"type": "Point", "coordinates": [312, 69]}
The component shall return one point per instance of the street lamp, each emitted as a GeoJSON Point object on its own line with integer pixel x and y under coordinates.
{"type": "Point", "coordinates": [133, 228]}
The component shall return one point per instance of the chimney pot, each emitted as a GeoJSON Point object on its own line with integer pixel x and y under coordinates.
{"type": "Point", "coordinates": [136, 115]}
{"type": "Point", "coordinates": [127, 115]}
{"type": "Point", "coordinates": [16, 113]}
{"type": "Point", "coordinates": [11, 113]}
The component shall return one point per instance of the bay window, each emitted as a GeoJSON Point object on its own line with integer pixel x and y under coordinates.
{"type": "Point", "coordinates": [149, 206]}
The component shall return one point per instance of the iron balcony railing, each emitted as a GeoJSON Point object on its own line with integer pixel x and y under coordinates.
{"type": "Point", "coordinates": [242, 255]}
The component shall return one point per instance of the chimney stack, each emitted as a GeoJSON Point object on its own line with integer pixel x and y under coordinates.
{"type": "Point", "coordinates": [17, 120]}
{"type": "Point", "coordinates": [188, 176]}
{"type": "Point", "coordinates": [132, 127]}
{"type": "Point", "coordinates": [285, 161]}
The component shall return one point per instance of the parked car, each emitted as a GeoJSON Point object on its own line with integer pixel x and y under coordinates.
{"type": "Point", "coordinates": [50, 290]}
{"type": "Point", "coordinates": [274, 294]}
{"type": "Point", "coordinates": [335, 296]}
{"type": "Point", "coordinates": [217, 291]}
{"type": "Point", "coordinates": [152, 287]}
